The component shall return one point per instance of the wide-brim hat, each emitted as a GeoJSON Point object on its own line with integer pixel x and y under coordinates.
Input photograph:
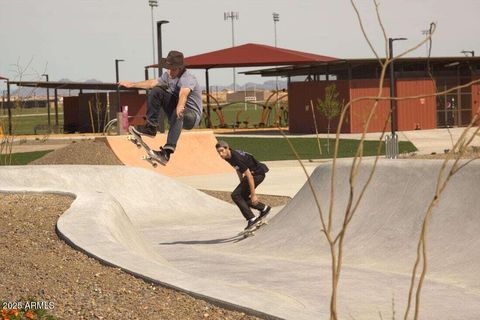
{"type": "Point", "coordinates": [174, 59]}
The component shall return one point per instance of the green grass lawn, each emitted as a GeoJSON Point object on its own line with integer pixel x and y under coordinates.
{"type": "Point", "coordinates": [267, 149]}
{"type": "Point", "coordinates": [21, 111]}
{"type": "Point", "coordinates": [24, 120]}
{"type": "Point", "coordinates": [17, 159]}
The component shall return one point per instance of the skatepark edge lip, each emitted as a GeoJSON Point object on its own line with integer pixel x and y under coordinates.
{"type": "Point", "coordinates": [217, 302]}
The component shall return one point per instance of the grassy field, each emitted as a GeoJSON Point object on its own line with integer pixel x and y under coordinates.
{"type": "Point", "coordinates": [25, 120]}
{"type": "Point", "coordinates": [17, 159]}
{"type": "Point", "coordinates": [23, 111]}
{"type": "Point", "coordinates": [267, 149]}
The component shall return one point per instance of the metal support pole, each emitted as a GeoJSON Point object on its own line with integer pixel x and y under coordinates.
{"type": "Point", "coordinates": [153, 45]}
{"type": "Point", "coordinates": [209, 119]}
{"type": "Point", "coordinates": [391, 145]}
{"type": "Point", "coordinates": [393, 110]}
{"type": "Point", "coordinates": [276, 18]}
{"type": "Point", "coordinates": [9, 109]}
{"type": "Point", "coordinates": [117, 77]}
{"type": "Point", "coordinates": [119, 108]}
{"type": "Point", "coordinates": [146, 73]}
{"type": "Point", "coordinates": [162, 116]}
{"type": "Point", "coordinates": [234, 70]}
{"type": "Point", "coordinates": [232, 16]}
{"type": "Point", "coordinates": [159, 43]}
{"type": "Point", "coordinates": [48, 103]}
{"type": "Point", "coordinates": [56, 107]}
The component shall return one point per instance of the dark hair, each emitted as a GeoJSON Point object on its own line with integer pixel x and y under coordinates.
{"type": "Point", "coordinates": [222, 144]}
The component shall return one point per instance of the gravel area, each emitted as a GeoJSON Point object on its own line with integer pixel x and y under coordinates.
{"type": "Point", "coordinates": [93, 152]}
{"type": "Point", "coordinates": [38, 265]}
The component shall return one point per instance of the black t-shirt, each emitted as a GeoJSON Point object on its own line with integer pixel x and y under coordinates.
{"type": "Point", "coordinates": [242, 161]}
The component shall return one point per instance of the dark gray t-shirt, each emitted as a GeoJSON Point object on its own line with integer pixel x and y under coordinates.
{"type": "Point", "coordinates": [186, 80]}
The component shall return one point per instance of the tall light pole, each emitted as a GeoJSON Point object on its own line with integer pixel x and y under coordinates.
{"type": "Point", "coordinates": [9, 107]}
{"type": "Point", "coordinates": [162, 116]}
{"type": "Point", "coordinates": [159, 42]}
{"type": "Point", "coordinates": [393, 103]}
{"type": "Point", "coordinates": [117, 77]}
{"type": "Point", "coordinates": [426, 33]}
{"type": "Point", "coordinates": [48, 101]}
{"type": "Point", "coordinates": [276, 18]}
{"type": "Point", "coordinates": [468, 51]}
{"type": "Point", "coordinates": [153, 3]}
{"type": "Point", "coordinates": [232, 16]}
{"type": "Point", "coordinates": [119, 108]}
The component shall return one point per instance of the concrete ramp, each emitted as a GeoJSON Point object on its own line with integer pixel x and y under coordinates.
{"type": "Point", "coordinates": [167, 232]}
{"type": "Point", "coordinates": [195, 154]}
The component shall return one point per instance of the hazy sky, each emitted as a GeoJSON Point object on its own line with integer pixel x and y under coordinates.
{"type": "Point", "coordinates": [80, 40]}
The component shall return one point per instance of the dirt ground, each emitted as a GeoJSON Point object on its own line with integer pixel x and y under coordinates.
{"type": "Point", "coordinates": [40, 266]}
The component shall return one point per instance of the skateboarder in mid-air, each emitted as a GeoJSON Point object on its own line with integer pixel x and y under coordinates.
{"type": "Point", "coordinates": [177, 92]}
{"type": "Point", "coordinates": [251, 173]}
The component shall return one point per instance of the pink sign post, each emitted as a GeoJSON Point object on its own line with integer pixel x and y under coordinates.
{"type": "Point", "coordinates": [125, 117]}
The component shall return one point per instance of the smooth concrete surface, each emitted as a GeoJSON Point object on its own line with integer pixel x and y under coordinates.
{"type": "Point", "coordinates": [437, 140]}
{"type": "Point", "coordinates": [154, 226]}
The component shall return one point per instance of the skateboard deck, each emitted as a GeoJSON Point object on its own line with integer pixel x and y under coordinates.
{"type": "Point", "coordinates": [138, 141]}
{"type": "Point", "coordinates": [251, 231]}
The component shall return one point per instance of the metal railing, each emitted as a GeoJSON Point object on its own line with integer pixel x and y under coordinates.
{"type": "Point", "coordinates": [391, 146]}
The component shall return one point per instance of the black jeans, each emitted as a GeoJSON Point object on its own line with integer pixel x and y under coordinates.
{"type": "Point", "coordinates": [159, 98]}
{"type": "Point", "coordinates": [241, 196]}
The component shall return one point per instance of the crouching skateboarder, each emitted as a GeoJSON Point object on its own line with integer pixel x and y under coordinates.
{"type": "Point", "coordinates": [251, 173]}
{"type": "Point", "coordinates": [178, 93]}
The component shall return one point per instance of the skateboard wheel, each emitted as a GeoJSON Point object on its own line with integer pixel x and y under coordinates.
{"type": "Point", "coordinates": [154, 165]}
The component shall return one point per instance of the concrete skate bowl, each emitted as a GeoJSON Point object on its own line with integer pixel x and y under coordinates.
{"type": "Point", "coordinates": [167, 232]}
{"type": "Point", "coordinates": [382, 240]}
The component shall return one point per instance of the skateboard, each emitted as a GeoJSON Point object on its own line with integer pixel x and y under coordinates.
{"type": "Point", "coordinates": [138, 141]}
{"type": "Point", "coordinates": [251, 231]}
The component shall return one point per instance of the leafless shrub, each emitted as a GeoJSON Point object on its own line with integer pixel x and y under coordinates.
{"type": "Point", "coordinates": [335, 239]}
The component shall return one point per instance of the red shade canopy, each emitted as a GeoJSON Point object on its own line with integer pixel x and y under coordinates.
{"type": "Point", "coordinates": [251, 55]}
{"type": "Point", "coordinates": [3, 78]}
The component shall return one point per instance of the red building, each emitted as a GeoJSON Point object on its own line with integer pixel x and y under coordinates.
{"type": "Point", "coordinates": [356, 78]}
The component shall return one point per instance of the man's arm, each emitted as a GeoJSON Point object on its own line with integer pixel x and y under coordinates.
{"type": "Point", "coordinates": [182, 100]}
{"type": "Point", "coordinates": [146, 84]}
{"type": "Point", "coordinates": [251, 184]}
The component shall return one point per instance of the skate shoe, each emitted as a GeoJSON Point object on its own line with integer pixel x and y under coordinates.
{"type": "Point", "coordinates": [146, 130]}
{"type": "Point", "coordinates": [161, 155]}
{"type": "Point", "coordinates": [250, 224]}
{"type": "Point", "coordinates": [263, 213]}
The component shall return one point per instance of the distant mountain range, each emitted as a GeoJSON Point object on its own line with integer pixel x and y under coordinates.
{"type": "Point", "coordinates": [42, 92]}
{"type": "Point", "coordinates": [267, 85]}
